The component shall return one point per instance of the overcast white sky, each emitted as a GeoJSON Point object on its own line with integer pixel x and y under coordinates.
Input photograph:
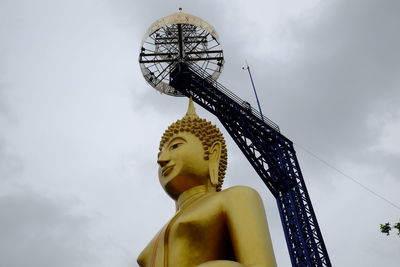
{"type": "Point", "coordinates": [80, 127]}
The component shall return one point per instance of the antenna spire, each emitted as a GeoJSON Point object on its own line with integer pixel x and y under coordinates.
{"type": "Point", "coordinates": [254, 89]}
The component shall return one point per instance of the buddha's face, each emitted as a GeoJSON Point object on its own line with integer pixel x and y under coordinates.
{"type": "Point", "coordinates": [182, 164]}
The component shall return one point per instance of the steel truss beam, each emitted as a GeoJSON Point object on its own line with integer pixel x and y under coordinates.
{"type": "Point", "coordinates": [270, 153]}
{"type": "Point", "coordinates": [173, 59]}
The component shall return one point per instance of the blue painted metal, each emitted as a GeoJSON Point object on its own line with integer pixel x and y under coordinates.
{"type": "Point", "coordinates": [270, 153]}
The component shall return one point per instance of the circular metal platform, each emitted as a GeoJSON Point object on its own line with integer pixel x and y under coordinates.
{"type": "Point", "coordinates": [179, 37]}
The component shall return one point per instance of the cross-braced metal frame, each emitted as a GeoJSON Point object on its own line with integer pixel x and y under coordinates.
{"type": "Point", "coordinates": [270, 153]}
{"type": "Point", "coordinates": [174, 43]}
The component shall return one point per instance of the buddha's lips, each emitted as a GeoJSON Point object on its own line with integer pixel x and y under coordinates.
{"type": "Point", "coordinates": [166, 170]}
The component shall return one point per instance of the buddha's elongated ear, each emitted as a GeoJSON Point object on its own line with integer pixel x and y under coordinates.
{"type": "Point", "coordinates": [214, 157]}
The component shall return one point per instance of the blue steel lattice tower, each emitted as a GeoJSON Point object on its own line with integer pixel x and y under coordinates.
{"type": "Point", "coordinates": [182, 48]}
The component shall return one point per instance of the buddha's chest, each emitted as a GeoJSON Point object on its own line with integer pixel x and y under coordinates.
{"type": "Point", "coordinates": [198, 226]}
{"type": "Point", "coordinates": [197, 235]}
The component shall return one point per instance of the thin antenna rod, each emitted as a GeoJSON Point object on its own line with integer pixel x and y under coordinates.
{"type": "Point", "coordinates": [254, 88]}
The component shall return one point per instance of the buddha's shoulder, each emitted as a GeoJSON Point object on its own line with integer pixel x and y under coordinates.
{"type": "Point", "coordinates": [238, 193]}
{"type": "Point", "coordinates": [239, 189]}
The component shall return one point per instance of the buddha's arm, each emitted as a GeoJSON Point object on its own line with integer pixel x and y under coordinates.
{"type": "Point", "coordinates": [248, 227]}
{"type": "Point", "coordinates": [220, 264]}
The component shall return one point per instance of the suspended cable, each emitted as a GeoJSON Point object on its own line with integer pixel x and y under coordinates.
{"type": "Point", "coordinates": [348, 176]}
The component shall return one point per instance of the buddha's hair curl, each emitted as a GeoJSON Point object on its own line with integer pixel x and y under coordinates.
{"type": "Point", "coordinates": [207, 133]}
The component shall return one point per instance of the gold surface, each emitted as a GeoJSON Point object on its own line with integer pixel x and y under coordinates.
{"type": "Point", "coordinates": [210, 228]}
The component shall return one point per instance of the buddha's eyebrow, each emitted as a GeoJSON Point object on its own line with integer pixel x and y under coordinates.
{"type": "Point", "coordinates": [174, 139]}
{"type": "Point", "coordinates": [169, 143]}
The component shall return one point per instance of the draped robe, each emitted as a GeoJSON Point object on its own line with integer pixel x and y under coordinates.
{"type": "Point", "coordinates": [229, 225]}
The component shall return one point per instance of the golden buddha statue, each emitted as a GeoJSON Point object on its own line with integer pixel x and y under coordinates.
{"type": "Point", "coordinates": [211, 227]}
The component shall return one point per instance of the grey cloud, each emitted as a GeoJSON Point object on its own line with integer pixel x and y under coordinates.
{"type": "Point", "coordinates": [10, 164]}
{"type": "Point", "coordinates": [35, 231]}
{"type": "Point", "coordinates": [346, 65]}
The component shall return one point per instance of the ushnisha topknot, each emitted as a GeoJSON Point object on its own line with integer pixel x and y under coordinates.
{"type": "Point", "coordinates": [205, 131]}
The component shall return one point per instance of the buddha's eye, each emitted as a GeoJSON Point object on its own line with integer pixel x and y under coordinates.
{"type": "Point", "coordinates": [174, 146]}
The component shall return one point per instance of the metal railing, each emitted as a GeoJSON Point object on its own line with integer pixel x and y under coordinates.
{"type": "Point", "coordinates": [206, 76]}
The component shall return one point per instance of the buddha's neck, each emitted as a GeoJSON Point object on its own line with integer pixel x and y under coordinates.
{"type": "Point", "coordinates": [191, 195]}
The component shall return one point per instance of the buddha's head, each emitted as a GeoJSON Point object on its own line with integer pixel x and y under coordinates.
{"type": "Point", "coordinates": [192, 153]}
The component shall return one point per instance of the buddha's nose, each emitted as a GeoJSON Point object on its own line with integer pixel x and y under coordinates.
{"type": "Point", "coordinates": [162, 162]}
